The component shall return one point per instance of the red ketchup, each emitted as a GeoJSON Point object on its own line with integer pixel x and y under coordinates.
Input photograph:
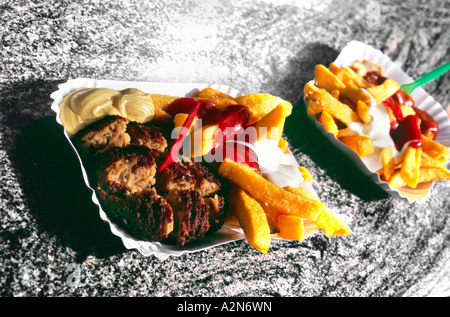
{"type": "Point", "coordinates": [375, 78]}
{"type": "Point", "coordinates": [407, 129]}
{"type": "Point", "coordinates": [404, 129]}
{"type": "Point", "coordinates": [231, 121]}
{"type": "Point", "coordinates": [428, 126]}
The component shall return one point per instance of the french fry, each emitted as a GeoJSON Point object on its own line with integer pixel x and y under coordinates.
{"type": "Point", "coordinates": [433, 148]}
{"type": "Point", "coordinates": [314, 107]}
{"type": "Point", "coordinates": [410, 170]}
{"type": "Point", "coordinates": [327, 80]}
{"type": "Point", "coordinates": [361, 145]}
{"type": "Point", "coordinates": [283, 145]}
{"type": "Point", "coordinates": [231, 219]}
{"type": "Point", "coordinates": [291, 228]}
{"type": "Point", "coordinates": [381, 92]}
{"type": "Point", "coordinates": [329, 222]}
{"type": "Point", "coordinates": [362, 109]}
{"type": "Point", "coordinates": [335, 93]}
{"type": "Point", "coordinates": [179, 119]}
{"type": "Point", "coordinates": [271, 126]}
{"type": "Point", "coordinates": [427, 174]}
{"type": "Point", "coordinates": [354, 94]}
{"type": "Point", "coordinates": [305, 174]}
{"type": "Point", "coordinates": [348, 76]}
{"type": "Point", "coordinates": [396, 181]}
{"type": "Point", "coordinates": [387, 159]}
{"type": "Point", "coordinates": [210, 93]}
{"type": "Point", "coordinates": [332, 224]}
{"type": "Point", "coordinates": [259, 105]}
{"type": "Point", "coordinates": [428, 161]}
{"type": "Point", "coordinates": [202, 140]}
{"type": "Point", "coordinates": [281, 201]}
{"type": "Point", "coordinates": [309, 227]}
{"type": "Point", "coordinates": [252, 219]}
{"type": "Point", "coordinates": [328, 122]}
{"type": "Point", "coordinates": [162, 101]}
{"type": "Point", "coordinates": [334, 107]}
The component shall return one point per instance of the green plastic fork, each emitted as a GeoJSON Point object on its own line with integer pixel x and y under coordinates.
{"type": "Point", "coordinates": [435, 73]}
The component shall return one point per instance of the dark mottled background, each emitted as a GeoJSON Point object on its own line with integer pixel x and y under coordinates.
{"type": "Point", "coordinates": [52, 242]}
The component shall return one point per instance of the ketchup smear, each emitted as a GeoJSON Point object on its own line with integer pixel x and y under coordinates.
{"type": "Point", "coordinates": [407, 129]}
{"type": "Point", "coordinates": [403, 129]}
{"type": "Point", "coordinates": [231, 121]}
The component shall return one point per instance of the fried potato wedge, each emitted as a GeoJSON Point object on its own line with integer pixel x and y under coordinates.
{"type": "Point", "coordinates": [203, 140]}
{"type": "Point", "coordinates": [354, 94]}
{"type": "Point", "coordinates": [231, 219]}
{"type": "Point", "coordinates": [211, 93]}
{"type": "Point", "coordinates": [314, 107]}
{"type": "Point", "coordinates": [332, 224]}
{"type": "Point", "coordinates": [333, 106]}
{"type": "Point", "coordinates": [283, 145]}
{"type": "Point", "coordinates": [410, 170]}
{"type": "Point", "coordinates": [428, 161]}
{"type": "Point", "coordinates": [433, 148]}
{"type": "Point", "coordinates": [291, 228]}
{"type": "Point", "coordinates": [271, 126]}
{"type": "Point", "coordinates": [259, 105]}
{"type": "Point", "coordinates": [328, 122]}
{"type": "Point", "coordinates": [281, 201]}
{"type": "Point", "coordinates": [384, 91]}
{"type": "Point", "coordinates": [252, 219]}
{"type": "Point", "coordinates": [427, 174]}
{"type": "Point", "coordinates": [327, 80]}
{"type": "Point", "coordinates": [360, 144]}
{"type": "Point", "coordinates": [362, 109]}
{"type": "Point", "coordinates": [162, 101]}
{"type": "Point", "coordinates": [179, 119]}
{"type": "Point", "coordinates": [329, 222]}
{"type": "Point", "coordinates": [348, 76]}
{"type": "Point", "coordinates": [307, 177]}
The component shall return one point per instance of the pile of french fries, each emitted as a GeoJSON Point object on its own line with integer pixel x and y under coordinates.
{"type": "Point", "coordinates": [262, 209]}
{"type": "Point", "coordinates": [336, 100]}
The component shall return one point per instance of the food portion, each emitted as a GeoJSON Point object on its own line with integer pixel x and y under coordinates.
{"type": "Point", "coordinates": [372, 116]}
{"type": "Point", "coordinates": [178, 168]}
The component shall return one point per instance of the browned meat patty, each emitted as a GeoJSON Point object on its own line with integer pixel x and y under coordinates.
{"type": "Point", "coordinates": [194, 215]}
{"type": "Point", "coordinates": [133, 167]}
{"type": "Point", "coordinates": [147, 135]}
{"type": "Point", "coordinates": [175, 177]}
{"type": "Point", "coordinates": [205, 182]}
{"type": "Point", "coordinates": [104, 133]}
{"type": "Point", "coordinates": [146, 215]}
{"type": "Point", "coordinates": [181, 204]}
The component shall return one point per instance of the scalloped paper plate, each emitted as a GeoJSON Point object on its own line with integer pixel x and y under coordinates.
{"type": "Point", "coordinates": [227, 234]}
{"type": "Point", "coordinates": [358, 51]}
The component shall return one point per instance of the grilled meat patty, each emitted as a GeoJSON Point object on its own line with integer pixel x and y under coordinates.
{"type": "Point", "coordinates": [181, 204]}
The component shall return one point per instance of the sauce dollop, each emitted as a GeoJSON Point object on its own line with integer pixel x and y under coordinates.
{"type": "Point", "coordinates": [403, 129]}
{"type": "Point", "coordinates": [231, 121]}
{"type": "Point", "coordinates": [406, 131]}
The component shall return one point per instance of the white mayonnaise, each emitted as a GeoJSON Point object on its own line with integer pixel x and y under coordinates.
{"type": "Point", "coordinates": [280, 168]}
{"type": "Point", "coordinates": [378, 130]}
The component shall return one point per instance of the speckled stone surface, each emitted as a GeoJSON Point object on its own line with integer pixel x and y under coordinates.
{"type": "Point", "coordinates": [52, 242]}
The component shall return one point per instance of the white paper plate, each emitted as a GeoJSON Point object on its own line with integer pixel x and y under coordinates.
{"type": "Point", "coordinates": [227, 234]}
{"type": "Point", "coordinates": [359, 51]}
